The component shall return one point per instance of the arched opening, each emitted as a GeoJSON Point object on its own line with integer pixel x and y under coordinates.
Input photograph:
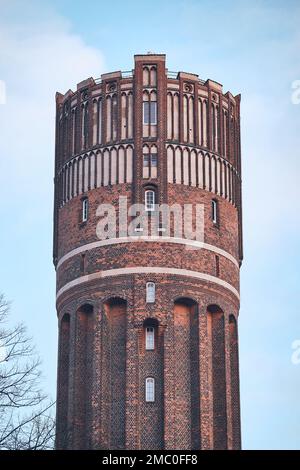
{"type": "Point", "coordinates": [234, 378]}
{"type": "Point", "coordinates": [186, 374]}
{"type": "Point", "coordinates": [150, 198]}
{"type": "Point", "coordinates": [150, 390]}
{"type": "Point", "coordinates": [153, 76]}
{"type": "Point", "coordinates": [216, 335]}
{"type": "Point", "coordinates": [84, 125]}
{"type": "Point", "coordinates": [146, 76]}
{"type": "Point", "coordinates": [150, 292]}
{"type": "Point", "coordinates": [114, 380]}
{"type": "Point", "coordinates": [62, 427]}
{"type": "Point", "coordinates": [108, 118]}
{"type": "Point", "coordinates": [114, 116]}
{"type": "Point", "coordinates": [83, 376]}
{"type": "Point", "coordinates": [150, 333]}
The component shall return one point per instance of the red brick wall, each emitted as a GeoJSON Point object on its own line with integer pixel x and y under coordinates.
{"type": "Point", "coordinates": [103, 363]}
{"type": "Point", "coordinates": [62, 428]}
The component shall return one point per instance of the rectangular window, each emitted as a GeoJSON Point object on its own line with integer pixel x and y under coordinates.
{"type": "Point", "coordinates": [146, 112]}
{"type": "Point", "coordinates": [85, 210]}
{"type": "Point", "coordinates": [146, 165]}
{"type": "Point", "coordinates": [153, 117]}
{"type": "Point", "coordinates": [150, 112]}
{"type": "Point", "coordinates": [150, 200]}
{"type": "Point", "coordinates": [149, 338]}
{"type": "Point", "coordinates": [214, 211]}
{"type": "Point", "coordinates": [150, 165]}
{"type": "Point", "coordinates": [146, 161]}
{"type": "Point", "coordinates": [154, 159]}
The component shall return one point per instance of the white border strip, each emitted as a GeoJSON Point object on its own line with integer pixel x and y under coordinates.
{"type": "Point", "coordinates": [146, 270]}
{"type": "Point", "coordinates": [135, 239]}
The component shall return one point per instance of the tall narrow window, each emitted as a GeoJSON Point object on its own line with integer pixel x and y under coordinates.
{"type": "Point", "coordinates": [149, 338]}
{"type": "Point", "coordinates": [146, 165]}
{"type": "Point", "coordinates": [214, 211]}
{"type": "Point", "coordinates": [153, 112]}
{"type": "Point", "coordinates": [146, 114]}
{"type": "Point", "coordinates": [150, 200]}
{"type": "Point", "coordinates": [85, 209]}
{"type": "Point", "coordinates": [150, 292]}
{"type": "Point", "coordinates": [150, 389]}
{"type": "Point", "coordinates": [149, 112]}
{"type": "Point", "coordinates": [153, 161]}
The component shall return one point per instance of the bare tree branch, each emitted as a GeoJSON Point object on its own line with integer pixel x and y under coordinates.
{"type": "Point", "coordinates": [26, 419]}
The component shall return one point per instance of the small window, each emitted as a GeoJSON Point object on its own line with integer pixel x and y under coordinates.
{"type": "Point", "coordinates": [149, 338]}
{"type": "Point", "coordinates": [85, 210]}
{"type": "Point", "coordinates": [150, 200]}
{"type": "Point", "coordinates": [150, 292]}
{"type": "Point", "coordinates": [150, 389]}
{"type": "Point", "coordinates": [214, 211]}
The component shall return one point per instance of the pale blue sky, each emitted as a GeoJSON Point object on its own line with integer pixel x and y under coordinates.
{"type": "Point", "coordinates": [252, 48]}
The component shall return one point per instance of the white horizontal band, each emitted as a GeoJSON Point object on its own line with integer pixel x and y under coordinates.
{"type": "Point", "coordinates": [146, 270]}
{"type": "Point", "coordinates": [135, 239]}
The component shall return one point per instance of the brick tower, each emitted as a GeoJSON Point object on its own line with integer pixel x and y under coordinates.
{"type": "Point", "coordinates": [148, 342]}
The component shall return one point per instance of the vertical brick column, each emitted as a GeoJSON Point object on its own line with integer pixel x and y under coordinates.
{"type": "Point", "coordinates": [169, 391]}
{"type": "Point", "coordinates": [132, 381]}
{"type": "Point", "coordinates": [235, 388]}
{"type": "Point", "coordinates": [62, 429]}
{"type": "Point", "coordinates": [96, 386]}
{"type": "Point", "coordinates": [205, 380]}
{"type": "Point", "coordinates": [228, 381]}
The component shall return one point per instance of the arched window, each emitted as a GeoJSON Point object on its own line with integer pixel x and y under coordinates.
{"type": "Point", "coordinates": [85, 209]}
{"type": "Point", "coordinates": [150, 292]}
{"type": "Point", "coordinates": [150, 335]}
{"type": "Point", "coordinates": [84, 121]}
{"type": "Point", "coordinates": [149, 200]}
{"type": "Point", "coordinates": [150, 389]}
{"type": "Point", "coordinates": [214, 211]}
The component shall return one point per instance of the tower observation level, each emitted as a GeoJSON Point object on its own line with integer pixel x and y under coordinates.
{"type": "Point", "coordinates": [147, 252]}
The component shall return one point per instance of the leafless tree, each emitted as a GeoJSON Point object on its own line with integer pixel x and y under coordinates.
{"type": "Point", "coordinates": [26, 420]}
